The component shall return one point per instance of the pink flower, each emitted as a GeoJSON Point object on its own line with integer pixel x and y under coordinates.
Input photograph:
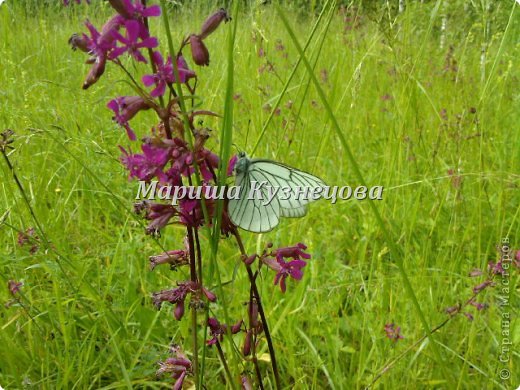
{"type": "Point", "coordinates": [138, 10]}
{"type": "Point", "coordinates": [276, 261]}
{"type": "Point", "coordinates": [14, 287]}
{"type": "Point", "coordinates": [496, 268]}
{"type": "Point", "coordinates": [296, 252]}
{"type": "Point", "coordinates": [175, 296]}
{"type": "Point", "coordinates": [164, 75]}
{"type": "Point", "coordinates": [175, 258]}
{"type": "Point", "coordinates": [131, 43]}
{"type": "Point", "coordinates": [178, 366]}
{"type": "Point", "coordinates": [99, 44]}
{"type": "Point", "coordinates": [393, 332]}
{"type": "Point", "coordinates": [148, 165]}
{"type": "Point", "coordinates": [285, 269]}
{"type": "Point", "coordinates": [160, 215]}
{"type": "Point", "coordinates": [218, 330]}
{"type": "Point", "coordinates": [125, 108]}
{"type": "Point", "coordinates": [178, 295]}
{"type": "Point", "coordinates": [231, 165]}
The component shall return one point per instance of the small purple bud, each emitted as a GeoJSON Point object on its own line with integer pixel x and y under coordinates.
{"type": "Point", "coordinates": [211, 297]}
{"type": "Point", "coordinates": [119, 6]}
{"type": "Point", "coordinates": [479, 287]}
{"type": "Point", "coordinates": [213, 323]}
{"type": "Point", "coordinates": [469, 316]}
{"type": "Point", "coordinates": [175, 258]}
{"type": "Point", "coordinates": [179, 310]}
{"type": "Point", "coordinates": [393, 332]}
{"type": "Point", "coordinates": [236, 327]}
{"type": "Point", "coordinates": [199, 51]}
{"type": "Point", "coordinates": [96, 71]}
{"type": "Point", "coordinates": [231, 166]}
{"type": "Point", "coordinates": [253, 314]}
{"type": "Point", "coordinates": [475, 272]}
{"type": "Point", "coordinates": [250, 260]}
{"type": "Point", "coordinates": [452, 309]}
{"type": "Point", "coordinates": [80, 42]}
{"type": "Point", "coordinates": [479, 306]}
{"type": "Point", "coordinates": [213, 22]}
{"type": "Point", "coordinates": [178, 383]}
{"type": "Point", "coordinates": [246, 349]}
{"type": "Point", "coordinates": [14, 286]}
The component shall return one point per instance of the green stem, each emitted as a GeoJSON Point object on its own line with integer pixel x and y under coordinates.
{"type": "Point", "coordinates": [224, 362]}
{"type": "Point", "coordinates": [256, 294]}
{"type": "Point", "coordinates": [355, 167]}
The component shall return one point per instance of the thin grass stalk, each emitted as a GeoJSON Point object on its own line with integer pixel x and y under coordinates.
{"type": "Point", "coordinates": [288, 82]}
{"type": "Point", "coordinates": [397, 254]}
{"type": "Point", "coordinates": [224, 155]}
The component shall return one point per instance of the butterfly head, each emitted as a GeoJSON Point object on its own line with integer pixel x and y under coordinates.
{"type": "Point", "coordinates": [242, 163]}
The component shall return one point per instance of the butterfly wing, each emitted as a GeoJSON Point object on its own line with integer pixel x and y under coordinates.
{"type": "Point", "coordinates": [296, 212]}
{"type": "Point", "coordinates": [249, 212]}
{"type": "Point", "coordinates": [293, 204]}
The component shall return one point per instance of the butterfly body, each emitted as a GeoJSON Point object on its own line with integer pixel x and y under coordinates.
{"type": "Point", "coordinates": [269, 190]}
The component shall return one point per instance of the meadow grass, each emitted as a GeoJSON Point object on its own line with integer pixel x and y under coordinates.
{"type": "Point", "coordinates": [426, 115]}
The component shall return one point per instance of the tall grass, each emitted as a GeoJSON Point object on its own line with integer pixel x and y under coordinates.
{"type": "Point", "coordinates": [436, 124]}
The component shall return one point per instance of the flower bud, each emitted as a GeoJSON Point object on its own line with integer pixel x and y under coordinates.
{"type": "Point", "coordinates": [452, 309]}
{"type": "Point", "coordinates": [211, 297]}
{"type": "Point", "coordinates": [478, 288]}
{"type": "Point", "coordinates": [236, 327]}
{"type": "Point", "coordinates": [175, 258]}
{"type": "Point", "coordinates": [213, 22]}
{"type": "Point", "coordinates": [246, 349]}
{"type": "Point", "coordinates": [250, 260]}
{"type": "Point", "coordinates": [106, 36]}
{"type": "Point", "coordinates": [80, 42]}
{"type": "Point", "coordinates": [199, 51]}
{"type": "Point", "coordinates": [14, 286]}
{"type": "Point", "coordinates": [253, 314]}
{"type": "Point", "coordinates": [179, 310]}
{"type": "Point", "coordinates": [96, 71]}
{"type": "Point", "coordinates": [119, 6]}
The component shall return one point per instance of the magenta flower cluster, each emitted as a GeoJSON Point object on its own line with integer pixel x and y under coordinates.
{"type": "Point", "coordinates": [174, 153]}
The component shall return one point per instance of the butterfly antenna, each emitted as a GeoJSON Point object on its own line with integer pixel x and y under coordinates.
{"type": "Point", "coordinates": [248, 128]}
{"type": "Point", "coordinates": [236, 147]}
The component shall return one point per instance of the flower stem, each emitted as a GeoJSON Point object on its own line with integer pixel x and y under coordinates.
{"type": "Point", "coordinates": [253, 344]}
{"type": "Point", "coordinates": [224, 362]}
{"type": "Point", "coordinates": [195, 363]}
{"type": "Point", "coordinates": [261, 312]}
{"type": "Point", "coordinates": [193, 274]}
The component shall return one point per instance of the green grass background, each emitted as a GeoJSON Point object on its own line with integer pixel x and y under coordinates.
{"type": "Point", "coordinates": [403, 90]}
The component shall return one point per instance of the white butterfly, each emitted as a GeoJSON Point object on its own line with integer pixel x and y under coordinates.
{"type": "Point", "coordinates": [251, 211]}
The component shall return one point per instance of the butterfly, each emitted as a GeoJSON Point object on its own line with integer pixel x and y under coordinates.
{"type": "Point", "coordinates": [251, 210]}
